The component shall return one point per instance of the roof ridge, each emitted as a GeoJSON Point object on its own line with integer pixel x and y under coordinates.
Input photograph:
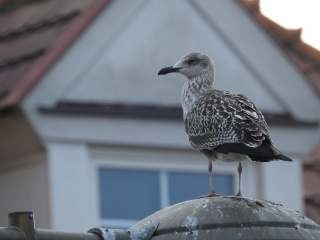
{"type": "Point", "coordinates": [150, 111]}
{"type": "Point", "coordinates": [56, 49]}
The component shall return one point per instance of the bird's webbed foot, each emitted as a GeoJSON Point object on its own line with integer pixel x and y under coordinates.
{"type": "Point", "coordinates": [237, 195]}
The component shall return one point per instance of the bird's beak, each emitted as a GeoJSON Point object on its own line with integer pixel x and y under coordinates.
{"type": "Point", "coordinates": [168, 70]}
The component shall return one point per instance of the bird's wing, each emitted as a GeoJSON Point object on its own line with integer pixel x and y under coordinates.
{"type": "Point", "coordinates": [220, 117]}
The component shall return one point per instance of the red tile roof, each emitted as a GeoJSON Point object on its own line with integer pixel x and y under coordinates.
{"type": "Point", "coordinates": [33, 36]}
{"type": "Point", "coordinates": [307, 59]}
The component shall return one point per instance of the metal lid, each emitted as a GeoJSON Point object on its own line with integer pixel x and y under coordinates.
{"type": "Point", "coordinates": [230, 218]}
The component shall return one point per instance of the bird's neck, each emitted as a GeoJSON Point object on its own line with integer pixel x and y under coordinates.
{"type": "Point", "coordinates": [194, 89]}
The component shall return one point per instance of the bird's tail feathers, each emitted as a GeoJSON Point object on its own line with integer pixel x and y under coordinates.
{"type": "Point", "coordinates": [278, 154]}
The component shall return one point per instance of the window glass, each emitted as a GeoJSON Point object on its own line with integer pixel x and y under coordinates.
{"type": "Point", "coordinates": [186, 186]}
{"type": "Point", "coordinates": [128, 194]}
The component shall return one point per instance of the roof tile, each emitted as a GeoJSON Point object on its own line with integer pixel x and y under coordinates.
{"type": "Point", "coordinates": [35, 32]}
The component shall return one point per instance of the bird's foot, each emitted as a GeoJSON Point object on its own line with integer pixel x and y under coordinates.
{"type": "Point", "coordinates": [211, 194]}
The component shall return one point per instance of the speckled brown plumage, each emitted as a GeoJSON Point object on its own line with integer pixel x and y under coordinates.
{"type": "Point", "coordinates": [219, 118]}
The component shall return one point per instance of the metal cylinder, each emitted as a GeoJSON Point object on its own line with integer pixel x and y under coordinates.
{"type": "Point", "coordinates": [24, 221]}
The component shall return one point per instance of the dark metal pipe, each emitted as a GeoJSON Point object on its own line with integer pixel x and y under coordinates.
{"type": "Point", "coordinates": [22, 227]}
{"type": "Point", "coordinates": [44, 234]}
{"type": "Point", "coordinates": [12, 233]}
{"type": "Point", "coordinates": [15, 233]}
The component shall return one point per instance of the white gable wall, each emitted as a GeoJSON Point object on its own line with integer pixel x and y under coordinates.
{"type": "Point", "coordinates": [127, 73]}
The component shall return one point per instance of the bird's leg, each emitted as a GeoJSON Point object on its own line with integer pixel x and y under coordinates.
{"type": "Point", "coordinates": [210, 178]}
{"type": "Point", "coordinates": [239, 174]}
{"type": "Point", "coordinates": [212, 192]}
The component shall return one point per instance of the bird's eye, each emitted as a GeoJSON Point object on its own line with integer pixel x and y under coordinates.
{"type": "Point", "coordinates": [192, 61]}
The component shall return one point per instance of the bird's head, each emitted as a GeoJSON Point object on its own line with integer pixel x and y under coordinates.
{"type": "Point", "coordinates": [191, 65]}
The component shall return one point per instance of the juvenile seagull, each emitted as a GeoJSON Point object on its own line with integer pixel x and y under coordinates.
{"type": "Point", "coordinates": [221, 125]}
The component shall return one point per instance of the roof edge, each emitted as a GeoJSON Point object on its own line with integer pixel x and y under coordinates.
{"type": "Point", "coordinates": [53, 54]}
{"type": "Point", "coordinates": [152, 112]}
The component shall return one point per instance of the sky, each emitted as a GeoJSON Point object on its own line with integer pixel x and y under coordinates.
{"type": "Point", "coordinates": [294, 14]}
